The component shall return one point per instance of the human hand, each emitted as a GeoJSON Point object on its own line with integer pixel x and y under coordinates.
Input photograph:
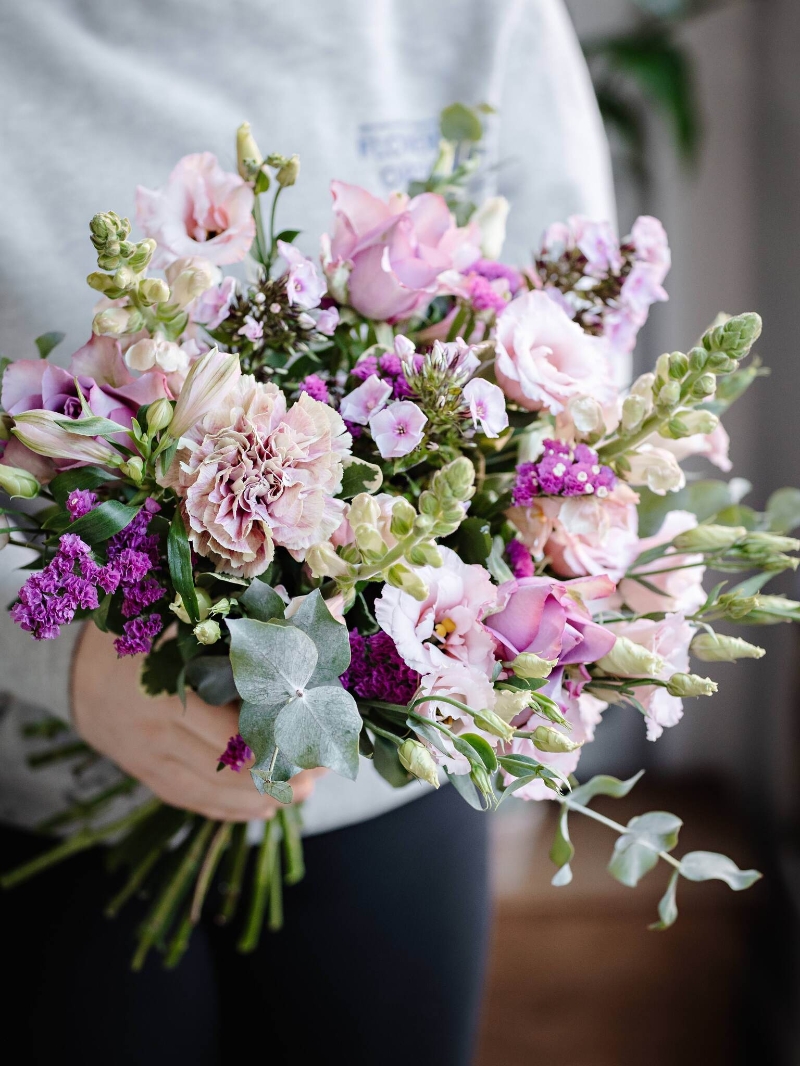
{"type": "Point", "coordinates": [172, 750]}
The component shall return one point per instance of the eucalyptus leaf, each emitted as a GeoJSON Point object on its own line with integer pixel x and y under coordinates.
{"type": "Point", "coordinates": [47, 342]}
{"type": "Point", "coordinates": [211, 676]}
{"type": "Point", "coordinates": [320, 728]}
{"type": "Point", "coordinates": [279, 790]}
{"type": "Point", "coordinates": [360, 476]}
{"type": "Point", "coordinates": [668, 906]}
{"type": "Point", "coordinates": [388, 764]}
{"type": "Point", "coordinates": [460, 123]}
{"type": "Point", "coordinates": [330, 638]}
{"type": "Point", "coordinates": [467, 790]}
{"type": "Point", "coordinates": [636, 851]}
{"type": "Point", "coordinates": [710, 865]}
{"type": "Point", "coordinates": [603, 785]}
{"type": "Point", "coordinates": [262, 602]}
{"type": "Point", "coordinates": [271, 663]}
{"type": "Point", "coordinates": [257, 727]}
{"type": "Point", "coordinates": [783, 510]}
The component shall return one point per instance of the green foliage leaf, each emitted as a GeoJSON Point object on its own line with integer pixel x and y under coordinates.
{"type": "Point", "coordinates": [84, 477]}
{"type": "Point", "coordinates": [93, 426]}
{"type": "Point", "coordinates": [668, 906]}
{"type": "Point", "coordinates": [47, 342]}
{"type": "Point", "coordinates": [710, 865]}
{"type": "Point", "coordinates": [486, 752]}
{"type": "Point", "coordinates": [104, 521]}
{"type": "Point", "coordinates": [211, 676]}
{"type": "Point", "coordinates": [320, 728]}
{"type": "Point", "coordinates": [161, 668]}
{"type": "Point", "coordinates": [460, 123]}
{"type": "Point", "coordinates": [329, 636]}
{"type": "Point", "coordinates": [783, 510]}
{"type": "Point", "coordinates": [287, 235]}
{"type": "Point", "coordinates": [257, 727]}
{"type": "Point", "coordinates": [279, 790]}
{"type": "Point", "coordinates": [388, 764]}
{"type": "Point", "coordinates": [262, 602]}
{"type": "Point", "coordinates": [467, 790]}
{"type": "Point", "coordinates": [360, 476]}
{"type": "Point", "coordinates": [271, 663]}
{"type": "Point", "coordinates": [179, 558]}
{"type": "Point", "coordinates": [473, 541]}
{"type": "Point", "coordinates": [636, 851]}
{"type": "Point", "coordinates": [603, 785]}
{"type": "Point", "coordinates": [703, 498]}
{"type": "Point", "coordinates": [562, 849]}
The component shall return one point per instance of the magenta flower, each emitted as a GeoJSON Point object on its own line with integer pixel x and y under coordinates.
{"type": "Point", "coordinates": [316, 388]}
{"type": "Point", "coordinates": [80, 502]}
{"type": "Point", "coordinates": [376, 670]}
{"type": "Point", "coordinates": [365, 400]}
{"type": "Point", "coordinates": [398, 429]}
{"type": "Point", "coordinates": [237, 754]}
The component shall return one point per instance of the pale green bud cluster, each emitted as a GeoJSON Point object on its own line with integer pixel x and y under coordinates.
{"type": "Point", "coordinates": [733, 337]}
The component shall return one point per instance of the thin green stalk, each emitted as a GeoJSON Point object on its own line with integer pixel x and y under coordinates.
{"type": "Point", "coordinates": [291, 821]}
{"type": "Point", "coordinates": [275, 920]}
{"type": "Point", "coordinates": [260, 239]}
{"type": "Point", "coordinates": [161, 913]}
{"type": "Point", "coordinates": [61, 754]}
{"type": "Point", "coordinates": [83, 809]}
{"type": "Point", "coordinates": [260, 891]}
{"type": "Point", "coordinates": [385, 733]}
{"type": "Point", "coordinates": [621, 829]}
{"type": "Point", "coordinates": [271, 256]}
{"type": "Point", "coordinates": [179, 941]}
{"type": "Point", "coordinates": [137, 878]}
{"type": "Point", "coordinates": [82, 841]}
{"type": "Point", "coordinates": [233, 874]}
{"type": "Point", "coordinates": [210, 863]}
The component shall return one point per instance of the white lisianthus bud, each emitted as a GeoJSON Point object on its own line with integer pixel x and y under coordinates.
{"type": "Point", "coordinates": [248, 156]}
{"type": "Point", "coordinates": [657, 468]}
{"type": "Point", "coordinates": [156, 351]}
{"type": "Point", "coordinates": [323, 561]}
{"type": "Point", "coordinates": [113, 321]}
{"type": "Point", "coordinates": [416, 758]}
{"type": "Point", "coordinates": [716, 647]}
{"type": "Point", "coordinates": [774, 542]}
{"type": "Point", "coordinates": [491, 219]}
{"type": "Point", "coordinates": [691, 685]}
{"type": "Point", "coordinates": [364, 511]}
{"type": "Point", "coordinates": [511, 702]}
{"type": "Point", "coordinates": [203, 606]}
{"type": "Point", "coordinates": [628, 659]}
{"type": "Point", "coordinates": [18, 483]}
{"type": "Point", "coordinates": [492, 723]}
{"type": "Point", "coordinates": [209, 379]}
{"type": "Point", "coordinates": [545, 738]}
{"type": "Point", "coordinates": [189, 277]}
{"type": "Point", "coordinates": [709, 538]}
{"type": "Point", "coordinates": [39, 431]}
{"type": "Point", "coordinates": [287, 174]}
{"type": "Point", "coordinates": [635, 409]}
{"type": "Point", "coordinates": [527, 665]}
{"type": "Point", "coordinates": [587, 416]}
{"type": "Point", "coordinates": [207, 632]}
{"type": "Point", "coordinates": [159, 416]}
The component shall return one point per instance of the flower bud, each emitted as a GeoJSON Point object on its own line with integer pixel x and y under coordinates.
{"type": "Point", "coordinates": [587, 416]}
{"type": "Point", "coordinates": [406, 580]}
{"type": "Point", "coordinates": [716, 647]}
{"type": "Point", "coordinates": [423, 523]}
{"type": "Point", "coordinates": [159, 416]}
{"type": "Point", "coordinates": [709, 538]}
{"type": "Point", "coordinates": [364, 511]}
{"type": "Point", "coordinates": [492, 723]}
{"type": "Point", "coordinates": [657, 468]}
{"type": "Point", "coordinates": [189, 277]}
{"type": "Point", "coordinates": [643, 386]}
{"type": "Point", "coordinates": [704, 386]}
{"type": "Point", "coordinates": [735, 336]}
{"type": "Point", "coordinates": [678, 366]}
{"type": "Point", "coordinates": [481, 779]}
{"type": "Point", "coordinates": [690, 685]}
{"type": "Point", "coordinates": [142, 254]}
{"type": "Point", "coordinates": [6, 424]}
{"type": "Point", "coordinates": [669, 394]}
{"type": "Point", "coordinates": [209, 379]}
{"type": "Point", "coordinates": [698, 357]}
{"type": "Point", "coordinates": [662, 367]}
{"type": "Point", "coordinates": [773, 542]}
{"type": "Point", "coordinates": [203, 606]}
{"type": "Point", "coordinates": [459, 477]}
{"type": "Point", "coordinates": [323, 561]}
{"type": "Point", "coordinates": [490, 218]}
{"type": "Point", "coordinates": [704, 422]}
{"type": "Point", "coordinates": [719, 363]}
{"type": "Point", "coordinates": [628, 659]}
{"type": "Point", "coordinates": [736, 606]}
{"type": "Point", "coordinates": [248, 156]}
{"type": "Point", "coordinates": [527, 665]}
{"type": "Point", "coordinates": [403, 515]}
{"type": "Point", "coordinates": [545, 738]}
{"type": "Point", "coordinates": [153, 291]}
{"type": "Point", "coordinates": [207, 632]}
{"type": "Point", "coordinates": [416, 758]}
{"type": "Point", "coordinates": [40, 431]}
{"type": "Point", "coordinates": [369, 540]}
{"type": "Point", "coordinates": [113, 321]}
{"type": "Point", "coordinates": [18, 483]}
{"type": "Point", "coordinates": [635, 409]}
{"type": "Point", "coordinates": [426, 553]}
{"type": "Point", "coordinates": [287, 174]}
{"type": "Point", "coordinates": [134, 469]}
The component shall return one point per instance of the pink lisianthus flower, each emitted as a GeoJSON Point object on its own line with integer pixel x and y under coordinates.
{"type": "Point", "coordinates": [202, 210]}
{"type": "Point", "coordinates": [447, 624]}
{"type": "Point", "coordinates": [470, 686]}
{"type": "Point", "coordinates": [679, 590]}
{"type": "Point", "coordinates": [366, 400]}
{"type": "Point", "coordinates": [304, 287]}
{"type": "Point", "coordinates": [544, 358]}
{"type": "Point", "coordinates": [670, 638]}
{"type": "Point", "coordinates": [582, 534]}
{"type": "Point", "coordinates": [551, 619]}
{"type": "Point", "coordinates": [397, 248]}
{"type": "Point", "coordinates": [487, 406]}
{"type": "Point", "coordinates": [398, 429]}
{"type": "Point", "coordinates": [254, 475]}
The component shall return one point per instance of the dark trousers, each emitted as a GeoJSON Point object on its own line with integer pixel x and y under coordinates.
{"type": "Point", "coordinates": [380, 960]}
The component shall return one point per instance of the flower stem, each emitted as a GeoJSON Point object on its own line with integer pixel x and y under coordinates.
{"type": "Point", "coordinates": [233, 875]}
{"type": "Point", "coordinates": [621, 829]}
{"type": "Point", "coordinates": [260, 891]}
{"type": "Point", "coordinates": [210, 863]}
{"type": "Point", "coordinates": [291, 822]}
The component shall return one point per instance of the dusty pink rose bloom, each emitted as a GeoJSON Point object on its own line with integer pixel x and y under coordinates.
{"type": "Point", "coordinates": [202, 210]}
{"type": "Point", "coordinates": [544, 359]}
{"type": "Point", "coordinates": [446, 625]}
{"type": "Point", "coordinates": [254, 475]}
{"type": "Point", "coordinates": [680, 590]}
{"type": "Point", "coordinates": [394, 250]}
{"type": "Point", "coordinates": [669, 638]}
{"type": "Point", "coordinates": [582, 534]}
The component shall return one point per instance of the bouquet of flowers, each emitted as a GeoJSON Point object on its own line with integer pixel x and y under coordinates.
{"type": "Point", "coordinates": [398, 502]}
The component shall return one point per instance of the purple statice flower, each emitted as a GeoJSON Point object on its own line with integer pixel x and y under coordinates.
{"type": "Point", "coordinates": [236, 754]}
{"type": "Point", "coordinates": [492, 270]}
{"type": "Point", "coordinates": [353, 429]}
{"type": "Point", "coordinates": [137, 635]}
{"type": "Point", "coordinates": [316, 388]}
{"type": "Point", "coordinates": [484, 297]}
{"type": "Point", "coordinates": [562, 471]}
{"type": "Point", "coordinates": [376, 671]}
{"type": "Point", "coordinates": [520, 559]}
{"type": "Point", "coordinates": [133, 553]}
{"type": "Point", "coordinates": [365, 367]}
{"type": "Point", "coordinates": [136, 598]}
{"type": "Point", "coordinates": [80, 502]}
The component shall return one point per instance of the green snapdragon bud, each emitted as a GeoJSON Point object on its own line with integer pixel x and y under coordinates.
{"type": "Point", "coordinates": [153, 291]}
{"type": "Point", "coordinates": [704, 386]}
{"type": "Point", "coordinates": [426, 553]}
{"type": "Point", "coordinates": [18, 483]}
{"type": "Point", "coordinates": [709, 538]}
{"type": "Point", "coordinates": [716, 647]}
{"type": "Point", "coordinates": [419, 762]}
{"type": "Point", "coordinates": [669, 395]}
{"type": "Point", "coordinates": [403, 515]}
{"type": "Point", "coordinates": [690, 685]}
{"type": "Point", "coordinates": [545, 738]}
{"type": "Point", "coordinates": [142, 254]}
{"type": "Point", "coordinates": [406, 580]}
{"type": "Point", "coordinates": [735, 337]}
{"type": "Point", "coordinates": [678, 366]}
{"type": "Point", "coordinates": [698, 357]}
{"type": "Point", "coordinates": [634, 411]}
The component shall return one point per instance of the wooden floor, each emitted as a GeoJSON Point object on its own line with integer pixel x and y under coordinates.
{"type": "Point", "coordinates": [576, 977]}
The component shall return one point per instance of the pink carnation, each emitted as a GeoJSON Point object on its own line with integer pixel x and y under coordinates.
{"type": "Point", "coordinates": [202, 210]}
{"type": "Point", "coordinates": [254, 475]}
{"type": "Point", "coordinates": [544, 359]}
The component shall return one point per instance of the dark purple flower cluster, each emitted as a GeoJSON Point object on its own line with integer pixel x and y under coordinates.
{"type": "Point", "coordinates": [316, 388]}
{"type": "Point", "coordinates": [520, 559]}
{"type": "Point", "coordinates": [236, 754]}
{"type": "Point", "coordinates": [376, 671]}
{"type": "Point", "coordinates": [80, 502]}
{"type": "Point", "coordinates": [137, 635]}
{"type": "Point", "coordinates": [562, 471]}
{"type": "Point", "coordinates": [134, 553]}
{"type": "Point", "coordinates": [388, 367]}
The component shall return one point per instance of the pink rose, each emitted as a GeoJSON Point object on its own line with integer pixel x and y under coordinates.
{"type": "Point", "coordinates": [544, 358]}
{"type": "Point", "coordinates": [680, 590]}
{"type": "Point", "coordinates": [397, 248]}
{"type": "Point", "coordinates": [582, 534]}
{"type": "Point", "coordinates": [202, 210]}
{"type": "Point", "coordinates": [446, 625]}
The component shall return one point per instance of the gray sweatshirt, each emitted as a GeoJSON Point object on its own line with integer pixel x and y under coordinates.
{"type": "Point", "coordinates": [99, 97]}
